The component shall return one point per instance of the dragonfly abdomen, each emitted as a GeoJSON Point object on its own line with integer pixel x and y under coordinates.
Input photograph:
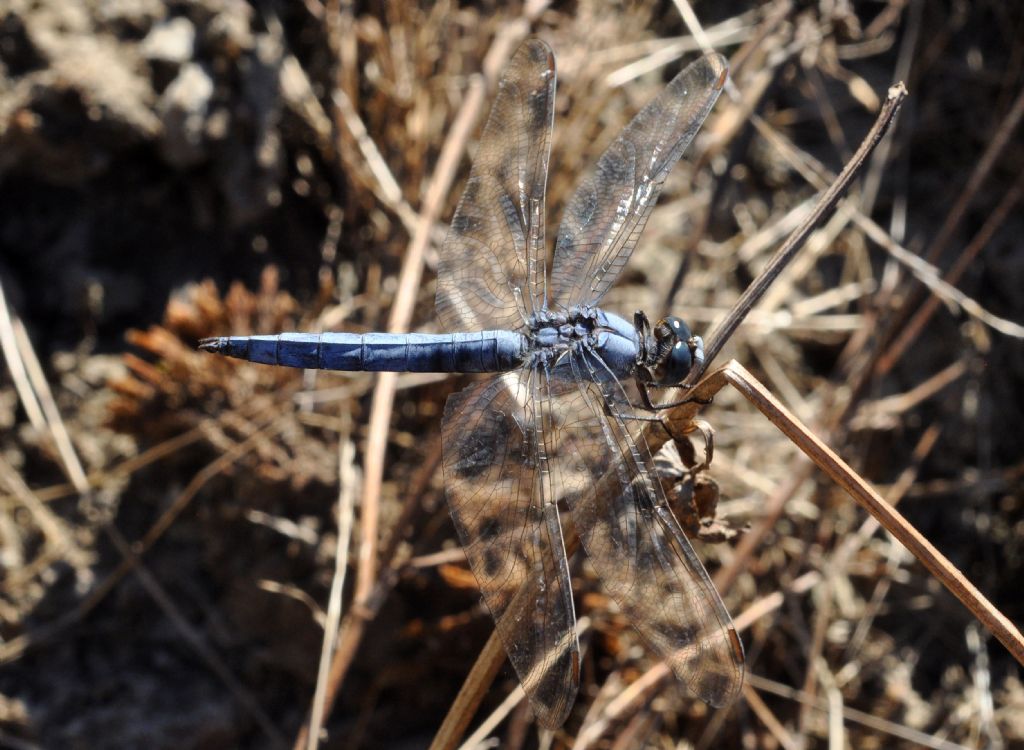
{"type": "Point", "coordinates": [479, 351]}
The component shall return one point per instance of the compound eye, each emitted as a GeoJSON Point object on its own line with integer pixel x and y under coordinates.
{"type": "Point", "coordinates": [678, 363]}
{"type": "Point", "coordinates": [679, 329]}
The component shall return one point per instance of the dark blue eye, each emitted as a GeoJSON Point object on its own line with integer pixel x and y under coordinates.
{"type": "Point", "coordinates": [678, 326]}
{"type": "Point", "coordinates": [678, 363]}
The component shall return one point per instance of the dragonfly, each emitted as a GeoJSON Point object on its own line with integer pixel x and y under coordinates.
{"type": "Point", "coordinates": [556, 430]}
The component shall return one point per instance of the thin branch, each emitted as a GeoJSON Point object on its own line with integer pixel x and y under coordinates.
{"type": "Point", "coordinates": [473, 690]}
{"type": "Point", "coordinates": [795, 241]}
{"type": "Point", "coordinates": [347, 482]}
{"type": "Point", "coordinates": [840, 472]}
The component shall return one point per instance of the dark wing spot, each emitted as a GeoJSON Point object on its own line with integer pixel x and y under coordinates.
{"type": "Point", "coordinates": [492, 560]}
{"type": "Point", "coordinates": [502, 172]}
{"type": "Point", "coordinates": [715, 687]}
{"type": "Point", "coordinates": [537, 50]}
{"type": "Point", "coordinates": [571, 499]}
{"type": "Point", "coordinates": [461, 223]}
{"type": "Point", "coordinates": [676, 633]}
{"type": "Point", "coordinates": [475, 457]}
{"type": "Point", "coordinates": [489, 529]}
{"type": "Point", "coordinates": [471, 192]}
{"type": "Point", "coordinates": [538, 115]}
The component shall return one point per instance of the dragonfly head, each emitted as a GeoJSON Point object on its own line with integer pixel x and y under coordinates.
{"type": "Point", "coordinates": [676, 351]}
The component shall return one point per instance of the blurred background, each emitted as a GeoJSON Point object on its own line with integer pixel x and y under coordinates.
{"type": "Point", "coordinates": [169, 520]}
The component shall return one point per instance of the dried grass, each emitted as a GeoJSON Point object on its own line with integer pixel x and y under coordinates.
{"type": "Point", "coordinates": [222, 477]}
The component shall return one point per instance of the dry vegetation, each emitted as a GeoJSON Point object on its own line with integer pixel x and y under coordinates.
{"type": "Point", "coordinates": [168, 526]}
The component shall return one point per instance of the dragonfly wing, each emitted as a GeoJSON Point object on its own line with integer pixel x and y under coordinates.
{"type": "Point", "coordinates": [502, 497]}
{"type": "Point", "coordinates": [637, 546]}
{"type": "Point", "coordinates": [492, 269]}
{"type": "Point", "coordinates": [609, 209]}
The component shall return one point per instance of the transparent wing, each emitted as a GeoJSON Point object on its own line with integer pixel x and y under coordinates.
{"type": "Point", "coordinates": [493, 262]}
{"type": "Point", "coordinates": [635, 543]}
{"type": "Point", "coordinates": [496, 438]}
{"type": "Point", "coordinates": [609, 209]}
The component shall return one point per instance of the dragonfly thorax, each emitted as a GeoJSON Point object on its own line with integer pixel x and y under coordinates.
{"type": "Point", "coordinates": [561, 330]}
{"type": "Point", "coordinates": [604, 344]}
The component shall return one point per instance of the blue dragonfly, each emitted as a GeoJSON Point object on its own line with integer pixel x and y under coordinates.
{"type": "Point", "coordinates": [557, 425]}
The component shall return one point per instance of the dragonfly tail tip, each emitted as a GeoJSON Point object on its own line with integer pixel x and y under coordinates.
{"type": "Point", "coordinates": [216, 344]}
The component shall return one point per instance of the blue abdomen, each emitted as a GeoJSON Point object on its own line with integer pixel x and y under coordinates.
{"type": "Point", "coordinates": [480, 351]}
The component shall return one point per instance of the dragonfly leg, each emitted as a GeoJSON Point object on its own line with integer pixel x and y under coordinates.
{"type": "Point", "coordinates": [643, 331]}
{"type": "Point", "coordinates": [650, 406]}
{"type": "Point", "coordinates": [645, 396]}
{"type": "Point", "coordinates": [670, 404]}
{"type": "Point", "coordinates": [682, 438]}
{"type": "Point", "coordinates": [633, 415]}
{"type": "Point", "coordinates": [708, 433]}
{"type": "Point", "coordinates": [646, 346]}
{"type": "Point", "coordinates": [644, 418]}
